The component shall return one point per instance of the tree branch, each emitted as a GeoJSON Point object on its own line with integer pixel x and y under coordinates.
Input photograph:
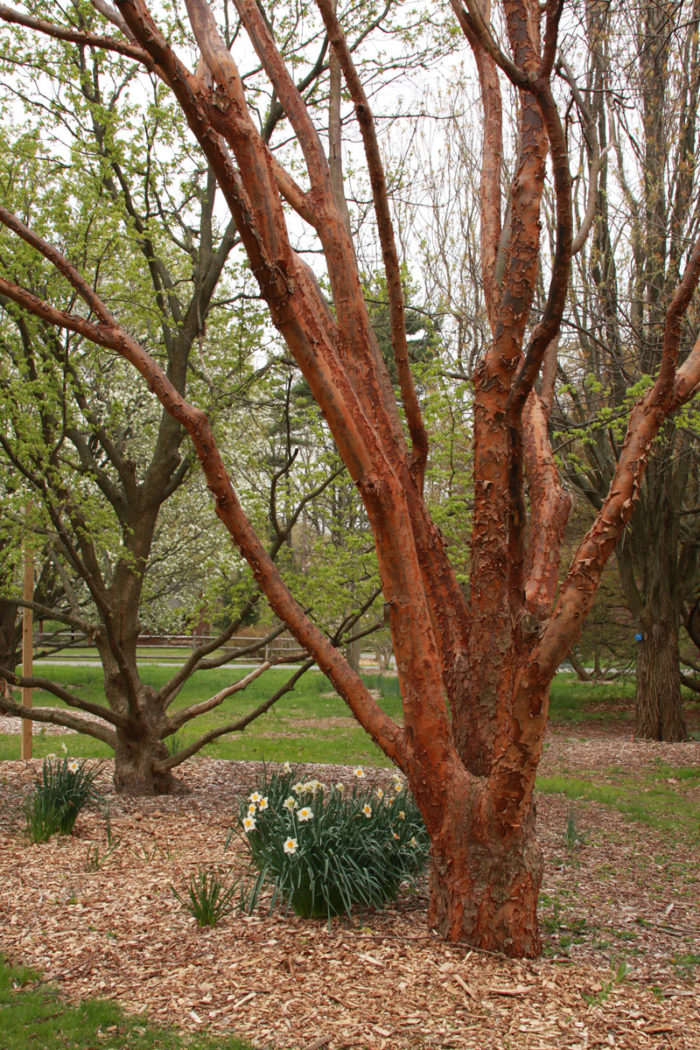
{"type": "Point", "coordinates": [234, 727]}
{"type": "Point", "coordinates": [76, 36]}
{"type": "Point", "coordinates": [22, 682]}
{"type": "Point", "coordinates": [549, 511]}
{"type": "Point", "coordinates": [186, 714]}
{"type": "Point", "coordinates": [548, 327]}
{"type": "Point", "coordinates": [61, 718]}
{"type": "Point", "coordinates": [472, 21]}
{"type": "Point", "coordinates": [385, 229]}
{"type": "Point", "coordinates": [491, 164]}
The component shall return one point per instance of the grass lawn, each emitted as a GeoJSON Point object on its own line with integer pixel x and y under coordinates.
{"type": "Point", "coordinates": [571, 700]}
{"type": "Point", "coordinates": [311, 724]}
{"type": "Point", "coordinates": [33, 1015]}
{"type": "Point", "coordinates": [661, 799]}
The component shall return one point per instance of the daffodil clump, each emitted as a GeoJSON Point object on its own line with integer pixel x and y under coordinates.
{"type": "Point", "coordinates": [325, 850]}
{"type": "Point", "coordinates": [66, 786]}
{"type": "Point", "coordinates": [208, 898]}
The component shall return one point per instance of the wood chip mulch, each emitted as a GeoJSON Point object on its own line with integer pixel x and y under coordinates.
{"type": "Point", "coordinates": [621, 928]}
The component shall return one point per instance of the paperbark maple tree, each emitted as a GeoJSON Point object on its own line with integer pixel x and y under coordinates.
{"type": "Point", "coordinates": [474, 671]}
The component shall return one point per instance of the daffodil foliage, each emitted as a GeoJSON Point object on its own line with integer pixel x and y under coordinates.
{"type": "Point", "coordinates": [323, 850]}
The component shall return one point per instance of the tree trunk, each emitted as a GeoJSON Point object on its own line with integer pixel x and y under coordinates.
{"type": "Point", "coordinates": [652, 582]}
{"type": "Point", "coordinates": [140, 747]}
{"type": "Point", "coordinates": [352, 654]}
{"type": "Point", "coordinates": [10, 638]}
{"type": "Point", "coordinates": [484, 886]}
{"type": "Point", "coordinates": [136, 759]}
{"type": "Point", "coordinates": [658, 709]}
{"type": "Point", "coordinates": [581, 672]}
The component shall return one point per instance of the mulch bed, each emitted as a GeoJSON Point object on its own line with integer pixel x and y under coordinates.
{"type": "Point", "coordinates": [619, 912]}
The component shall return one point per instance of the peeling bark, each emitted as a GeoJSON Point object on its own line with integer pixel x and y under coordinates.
{"type": "Point", "coordinates": [484, 889]}
{"type": "Point", "coordinates": [474, 675]}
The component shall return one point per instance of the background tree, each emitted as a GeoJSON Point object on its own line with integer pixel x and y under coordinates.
{"type": "Point", "coordinates": [638, 104]}
{"type": "Point", "coordinates": [47, 590]}
{"type": "Point", "coordinates": [110, 478]}
{"type": "Point", "coordinates": [474, 674]}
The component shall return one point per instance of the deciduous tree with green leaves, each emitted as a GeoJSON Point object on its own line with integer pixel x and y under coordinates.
{"type": "Point", "coordinates": [116, 509]}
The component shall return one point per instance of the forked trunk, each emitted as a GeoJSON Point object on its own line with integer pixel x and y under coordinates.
{"type": "Point", "coordinates": [485, 871]}
{"type": "Point", "coordinates": [658, 709]}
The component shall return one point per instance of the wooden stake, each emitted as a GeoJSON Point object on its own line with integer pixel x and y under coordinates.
{"type": "Point", "coordinates": [27, 651]}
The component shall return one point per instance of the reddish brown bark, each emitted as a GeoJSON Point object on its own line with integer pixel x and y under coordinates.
{"type": "Point", "coordinates": [470, 763]}
{"type": "Point", "coordinates": [486, 893]}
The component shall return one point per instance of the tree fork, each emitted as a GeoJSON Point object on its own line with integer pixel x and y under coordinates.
{"type": "Point", "coordinates": [484, 878]}
{"type": "Point", "coordinates": [478, 807]}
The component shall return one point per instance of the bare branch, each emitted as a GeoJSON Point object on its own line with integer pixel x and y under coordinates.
{"type": "Point", "coordinates": [595, 159]}
{"type": "Point", "coordinates": [186, 714]}
{"type": "Point", "coordinates": [385, 230]}
{"type": "Point", "coordinates": [237, 726]}
{"type": "Point", "coordinates": [490, 188]}
{"type": "Point", "coordinates": [549, 510]}
{"type": "Point", "coordinates": [56, 716]}
{"type": "Point", "coordinates": [49, 612]}
{"type": "Point", "coordinates": [548, 327]}
{"type": "Point", "coordinates": [553, 12]}
{"type": "Point", "coordinates": [474, 26]}
{"type": "Point", "coordinates": [36, 682]}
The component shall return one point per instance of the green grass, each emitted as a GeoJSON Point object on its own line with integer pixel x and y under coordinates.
{"type": "Point", "coordinates": [312, 724]}
{"type": "Point", "coordinates": [686, 964]}
{"type": "Point", "coordinates": [571, 700]}
{"type": "Point", "coordinates": [301, 727]}
{"type": "Point", "coordinates": [648, 799]}
{"type": "Point", "coordinates": [79, 746]}
{"type": "Point", "coordinates": [33, 1015]}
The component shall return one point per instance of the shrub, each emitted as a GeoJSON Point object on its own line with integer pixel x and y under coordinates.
{"type": "Point", "coordinates": [66, 786]}
{"type": "Point", "coordinates": [325, 850]}
{"type": "Point", "coordinates": [208, 898]}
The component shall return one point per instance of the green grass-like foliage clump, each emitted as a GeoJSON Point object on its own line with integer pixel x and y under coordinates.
{"type": "Point", "coordinates": [66, 786]}
{"type": "Point", "coordinates": [208, 897]}
{"type": "Point", "coordinates": [572, 835]}
{"type": "Point", "coordinates": [325, 850]}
